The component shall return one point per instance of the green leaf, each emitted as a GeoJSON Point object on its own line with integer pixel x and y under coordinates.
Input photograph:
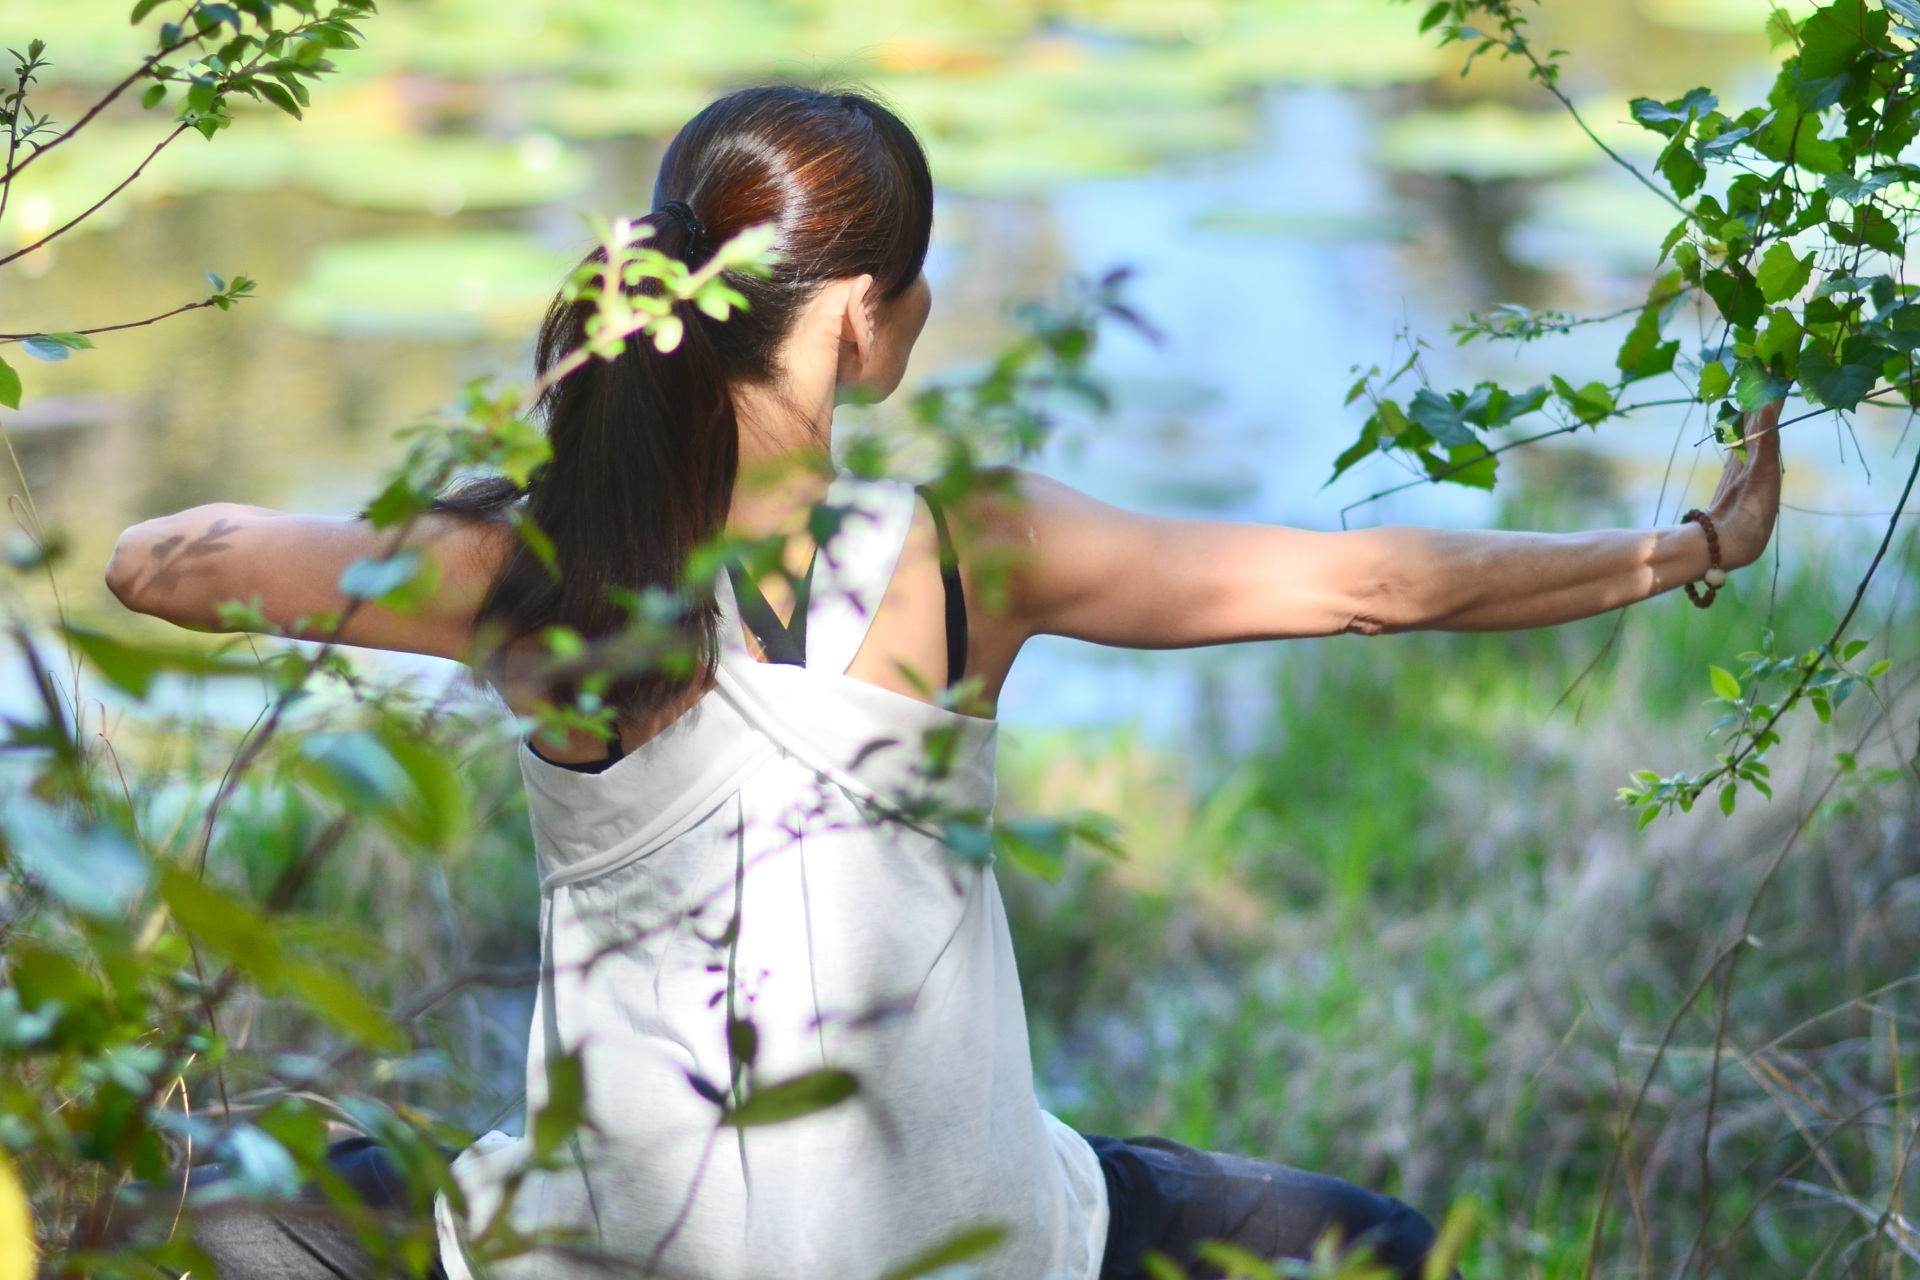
{"type": "Point", "coordinates": [436, 812]}
{"type": "Point", "coordinates": [1727, 798]}
{"type": "Point", "coordinates": [743, 1040]}
{"type": "Point", "coordinates": [535, 539]}
{"type": "Point", "coordinates": [223, 922]}
{"type": "Point", "coordinates": [95, 869]}
{"type": "Point", "coordinates": [142, 9]}
{"type": "Point", "coordinates": [1724, 683]}
{"type": "Point", "coordinates": [1160, 1267]}
{"type": "Point", "coordinates": [153, 97]}
{"type": "Point", "coordinates": [1368, 442]}
{"type": "Point", "coordinates": [42, 346]}
{"type": "Point", "coordinates": [1780, 340]}
{"type": "Point", "coordinates": [356, 768]}
{"type": "Point", "coordinates": [278, 96]}
{"type": "Point", "coordinates": [1668, 117]}
{"type": "Point", "coordinates": [1835, 35]}
{"type": "Point", "coordinates": [1754, 388]}
{"type": "Point", "coordinates": [1782, 273]}
{"type": "Point", "coordinates": [1442, 417]}
{"type": "Point", "coordinates": [560, 1116]}
{"type": "Point", "coordinates": [336, 1000]}
{"type": "Point", "coordinates": [1683, 172]}
{"type": "Point", "coordinates": [398, 503]}
{"type": "Point", "coordinates": [1444, 1255]}
{"type": "Point", "coordinates": [370, 579]}
{"type": "Point", "coordinates": [963, 1245]}
{"type": "Point", "coordinates": [1591, 403]}
{"type": "Point", "coordinates": [1736, 293]}
{"type": "Point", "coordinates": [132, 668]}
{"type": "Point", "coordinates": [1037, 846]}
{"type": "Point", "coordinates": [1840, 384]}
{"type": "Point", "coordinates": [968, 841]}
{"type": "Point", "coordinates": [9, 386]}
{"type": "Point", "coordinates": [1715, 379]}
{"type": "Point", "coordinates": [1853, 190]}
{"type": "Point", "coordinates": [791, 1099]}
{"type": "Point", "coordinates": [1643, 354]}
{"type": "Point", "coordinates": [1474, 466]}
{"type": "Point", "coordinates": [1236, 1263]}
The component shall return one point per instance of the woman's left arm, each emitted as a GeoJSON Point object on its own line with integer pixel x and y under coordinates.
{"type": "Point", "coordinates": [1097, 573]}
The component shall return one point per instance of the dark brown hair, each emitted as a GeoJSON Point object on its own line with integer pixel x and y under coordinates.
{"type": "Point", "coordinates": [645, 447]}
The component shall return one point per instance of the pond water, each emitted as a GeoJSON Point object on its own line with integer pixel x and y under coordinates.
{"type": "Point", "coordinates": [1271, 270]}
{"type": "Point", "coordinates": [1275, 271]}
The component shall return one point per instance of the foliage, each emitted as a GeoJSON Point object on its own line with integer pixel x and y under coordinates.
{"type": "Point", "coordinates": [1788, 256]}
{"type": "Point", "coordinates": [1792, 259]}
{"type": "Point", "coordinates": [175, 890]}
{"type": "Point", "coordinates": [167, 881]}
{"type": "Point", "coordinates": [1408, 941]}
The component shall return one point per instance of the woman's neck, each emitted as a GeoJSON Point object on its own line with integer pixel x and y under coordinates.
{"type": "Point", "coordinates": [786, 435]}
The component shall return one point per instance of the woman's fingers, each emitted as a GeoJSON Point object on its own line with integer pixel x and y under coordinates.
{"type": "Point", "coordinates": [1762, 430]}
{"type": "Point", "coordinates": [1748, 497]}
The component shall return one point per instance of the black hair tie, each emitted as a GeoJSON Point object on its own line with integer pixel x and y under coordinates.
{"type": "Point", "coordinates": [692, 230]}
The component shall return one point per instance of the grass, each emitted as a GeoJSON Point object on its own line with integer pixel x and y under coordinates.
{"type": "Point", "coordinates": [1413, 940]}
{"type": "Point", "coordinates": [1408, 938]}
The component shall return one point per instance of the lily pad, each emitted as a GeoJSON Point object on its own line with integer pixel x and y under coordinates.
{"type": "Point", "coordinates": [458, 285]}
{"type": "Point", "coordinates": [1487, 141]}
{"type": "Point", "coordinates": [445, 175]}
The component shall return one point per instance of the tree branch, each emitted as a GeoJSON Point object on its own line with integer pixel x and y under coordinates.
{"type": "Point", "coordinates": [115, 328]}
{"type": "Point", "coordinates": [128, 181]}
{"type": "Point", "coordinates": [146, 69]}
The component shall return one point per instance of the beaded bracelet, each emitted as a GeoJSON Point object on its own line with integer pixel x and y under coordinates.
{"type": "Point", "coordinates": [1715, 577]}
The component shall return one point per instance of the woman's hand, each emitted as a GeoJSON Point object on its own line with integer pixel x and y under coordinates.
{"type": "Point", "coordinates": [1748, 499]}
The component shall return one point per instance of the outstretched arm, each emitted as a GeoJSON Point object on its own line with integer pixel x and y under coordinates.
{"type": "Point", "coordinates": [1097, 573]}
{"type": "Point", "coordinates": [183, 567]}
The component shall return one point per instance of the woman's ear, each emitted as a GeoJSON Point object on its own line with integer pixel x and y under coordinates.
{"type": "Point", "coordinates": [859, 331]}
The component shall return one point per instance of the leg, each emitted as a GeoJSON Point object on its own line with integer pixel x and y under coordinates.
{"type": "Point", "coordinates": [302, 1239]}
{"type": "Point", "coordinates": [1166, 1196]}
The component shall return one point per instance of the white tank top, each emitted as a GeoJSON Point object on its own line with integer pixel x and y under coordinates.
{"type": "Point", "coordinates": [864, 944]}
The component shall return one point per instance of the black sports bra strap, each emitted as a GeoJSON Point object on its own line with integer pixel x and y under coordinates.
{"type": "Point", "coordinates": [955, 590]}
{"type": "Point", "coordinates": [616, 752]}
{"type": "Point", "coordinates": [784, 643]}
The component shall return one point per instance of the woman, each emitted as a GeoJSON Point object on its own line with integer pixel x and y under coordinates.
{"type": "Point", "coordinates": [727, 857]}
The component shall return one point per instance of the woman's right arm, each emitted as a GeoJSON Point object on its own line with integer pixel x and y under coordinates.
{"type": "Point", "coordinates": [183, 567]}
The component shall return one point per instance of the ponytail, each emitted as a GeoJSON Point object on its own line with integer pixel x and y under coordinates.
{"type": "Point", "coordinates": [645, 447]}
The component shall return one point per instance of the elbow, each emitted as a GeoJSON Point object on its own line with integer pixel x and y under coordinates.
{"type": "Point", "coordinates": [143, 571]}
{"type": "Point", "coordinates": [124, 577]}
{"type": "Point", "coordinates": [1383, 607]}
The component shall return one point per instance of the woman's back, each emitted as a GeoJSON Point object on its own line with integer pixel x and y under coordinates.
{"type": "Point", "coordinates": [752, 866]}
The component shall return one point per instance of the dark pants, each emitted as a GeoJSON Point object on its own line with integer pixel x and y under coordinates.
{"type": "Point", "coordinates": [1167, 1197]}
{"type": "Point", "coordinates": [1160, 1195]}
{"type": "Point", "coordinates": [303, 1239]}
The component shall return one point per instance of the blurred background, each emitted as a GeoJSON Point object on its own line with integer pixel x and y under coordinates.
{"type": "Point", "coordinates": [1381, 914]}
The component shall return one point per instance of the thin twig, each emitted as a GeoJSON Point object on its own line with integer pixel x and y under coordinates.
{"type": "Point", "coordinates": [97, 205]}
{"type": "Point", "coordinates": [115, 328]}
{"type": "Point", "coordinates": [146, 69]}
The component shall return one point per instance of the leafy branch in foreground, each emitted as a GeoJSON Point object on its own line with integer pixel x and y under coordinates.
{"type": "Point", "coordinates": [1789, 256]}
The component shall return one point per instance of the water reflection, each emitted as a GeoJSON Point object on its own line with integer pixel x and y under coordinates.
{"type": "Point", "coordinates": [1271, 270]}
